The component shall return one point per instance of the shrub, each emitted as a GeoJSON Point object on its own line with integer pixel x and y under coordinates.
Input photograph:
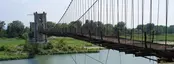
{"type": "Point", "coordinates": [2, 48]}
{"type": "Point", "coordinates": [48, 46]}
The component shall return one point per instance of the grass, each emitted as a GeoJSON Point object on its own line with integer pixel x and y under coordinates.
{"type": "Point", "coordinates": [170, 37]}
{"type": "Point", "coordinates": [72, 42]}
{"type": "Point", "coordinates": [11, 41]}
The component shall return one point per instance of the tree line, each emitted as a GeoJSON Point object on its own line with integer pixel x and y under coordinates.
{"type": "Point", "coordinates": [15, 29]}
{"type": "Point", "coordinates": [98, 28]}
{"type": "Point", "coordinates": [18, 29]}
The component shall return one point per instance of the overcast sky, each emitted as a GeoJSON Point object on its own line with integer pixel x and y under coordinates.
{"type": "Point", "coordinates": [19, 9]}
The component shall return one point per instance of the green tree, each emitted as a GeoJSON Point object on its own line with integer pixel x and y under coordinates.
{"type": "Point", "coordinates": [50, 24]}
{"type": "Point", "coordinates": [159, 30]}
{"type": "Point", "coordinates": [2, 24]}
{"type": "Point", "coordinates": [75, 26]}
{"type": "Point", "coordinates": [99, 28]}
{"type": "Point", "coordinates": [171, 29]}
{"type": "Point", "coordinates": [121, 26]}
{"type": "Point", "coordinates": [15, 29]}
{"type": "Point", "coordinates": [109, 29]}
{"type": "Point", "coordinates": [2, 31]}
{"type": "Point", "coordinates": [64, 27]}
{"type": "Point", "coordinates": [86, 27]}
{"type": "Point", "coordinates": [91, 26]}
{"type": "Point", "coordinates": [26, 30]}
{"type": "Point", "coordinates": [149, 28]}
{"type": "Point", "coordinates": [139, 27]}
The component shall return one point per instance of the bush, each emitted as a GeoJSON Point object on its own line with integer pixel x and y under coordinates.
{"type": "Point", "coordinates": [48, 46]}
{"type": "Point", "coordinates": [2, 48]}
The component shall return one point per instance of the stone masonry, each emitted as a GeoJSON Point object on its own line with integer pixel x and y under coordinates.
{"type": "Point", "coordinates": [37, 27]}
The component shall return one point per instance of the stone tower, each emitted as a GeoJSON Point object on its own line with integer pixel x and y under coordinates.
{"type": "Point", "coordinates": [37, 27]}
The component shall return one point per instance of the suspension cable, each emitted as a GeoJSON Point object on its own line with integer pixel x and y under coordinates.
{"type": "Point", "coordinates": [132, 21]}
{"type": "Point", "coordinates": [77, 5]}
{"type": "Point", "coordinates": [118, 15]}
{"type": "Point", "coordinates": [84, 23]}
{"type": "Point", "coordinates": [150, 22]}
{"type": "Point", "coordinates": [118, 20]}
{"type": "Point", "coordinates": [85, 15]}
{"type": "Point", "coordinates": [101, 18]}
{"type": "Point", "coordinates": [89, 32]}
{"type": "Point", "coordinates": [81, 10]}
{"type": "Point", "coordinates": [110, 11]}
{"type": "Point", "coordinates": [142, 21]}
{"type": "Point", "coordinates": [65, 11]}
{"type": "Point", "coordinates": [166, 24]}
{"type": "Point", "coordinates": [88, 9]}
{"type": "Point", "coordinates": [91, 12]}
{"type": "Point", "coordinates": [94, 14]}
{"type": "Point", "coordinates": [113, 12]}
{"type": "Point", "coordinates": [158, 18]}
{"type": "Point", "coordinates": [98, 18]}
{"type": "Point", "coordinates": [107, 17]}
{"type": "Point", "coordinates": [76, 14]}
{"type": "Point", "coordinates": [76, 30]}
{"type": "Point", "coordinates": [122, 10]}
{"type": "Point", "coordinates": [83, 19]}
{"type": "Point", "coordinates": [138, 14]}
{"type": "Point", "coordinates": [113, 16]}
{"type": "Point", "coordinates": [104, 16]}
{"type": "Point", "coordinates": [91, 19]}
{"type": "Point", "coordinates": [125, 18]}
{"type": "Point", "coordinates": [63, 14]}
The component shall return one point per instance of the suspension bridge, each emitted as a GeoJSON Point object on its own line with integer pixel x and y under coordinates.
{"type": "Point", "coordinates": [92, 21]}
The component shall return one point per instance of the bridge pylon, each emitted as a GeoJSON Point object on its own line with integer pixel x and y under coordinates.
{"type": "Point", "coordinates": [36, 28]}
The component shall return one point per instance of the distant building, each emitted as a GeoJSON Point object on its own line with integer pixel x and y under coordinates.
{"type": "Point", "coordinates": [36, 28]}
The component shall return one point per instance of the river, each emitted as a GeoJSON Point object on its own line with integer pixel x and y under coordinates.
{"type": "Point", "coordinates": [114, 57]}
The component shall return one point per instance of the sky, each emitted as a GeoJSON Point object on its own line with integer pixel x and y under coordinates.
{"type": "Point", "coordinates": [19, 9]}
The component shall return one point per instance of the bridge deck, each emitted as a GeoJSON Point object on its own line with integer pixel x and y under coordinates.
{"type": "Point", "coordinates": [132, 47]}
{"type": "Point", "coordinates": [128, 46]}
{"type": "Point", "coordinates": [137, 43]}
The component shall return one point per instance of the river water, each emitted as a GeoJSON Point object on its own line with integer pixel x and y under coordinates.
{"type": "Point", "coordinates": [103, 57]}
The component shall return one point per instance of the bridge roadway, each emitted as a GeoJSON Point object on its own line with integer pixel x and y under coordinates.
{"type": "Point", "coordinates": [155, 46]}
{"type": "Point", "coordinates": [130, 47]}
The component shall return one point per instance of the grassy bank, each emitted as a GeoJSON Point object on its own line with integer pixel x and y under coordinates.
{"type": "Point", "coordinates": [13, 49]}
{"type": "Point", "coordinates": [6, 56]}
{"type": "Point", "coordinates": [67, 45]}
